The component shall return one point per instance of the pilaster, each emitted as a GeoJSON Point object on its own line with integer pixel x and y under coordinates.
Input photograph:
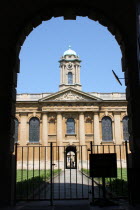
{"type": "Point", "coordinates": [82, 135]}
{"type": "Point", "coordinates": [96, 128]}
{"type": "Point", "coordinates": [117, 128]}
{"type": "Point", "coordinates": [59, 135]}
{"type": "Point", "coordinates": [78, 74]}
{"type": "Point", "coordinates": [63, 74]}
{"type": "Point", "coordinates": [44, 129]}
{"type": "Point", "coordinates": [81, 128]}
{"type": "Point", "coordinates": [24, 128]}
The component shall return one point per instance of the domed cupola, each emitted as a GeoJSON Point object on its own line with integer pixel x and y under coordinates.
{"type": "Point", "coordinates": [70, 70]}
{"type": "Point", "coordinates": [69, 52]}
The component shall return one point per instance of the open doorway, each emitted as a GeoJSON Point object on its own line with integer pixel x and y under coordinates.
{"type": "Point", "coordinates": [71, 157]}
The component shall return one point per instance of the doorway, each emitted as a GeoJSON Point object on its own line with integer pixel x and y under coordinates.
{"type": "Point", "coordinates": [71, 157]}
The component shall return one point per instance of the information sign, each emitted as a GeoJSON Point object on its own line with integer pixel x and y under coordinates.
{"type": "Point", "coordinates": [103, 165]}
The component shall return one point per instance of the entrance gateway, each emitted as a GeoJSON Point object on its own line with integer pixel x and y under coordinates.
{"type": "Point", "coordinates": [62, 172]}
{"type": "Point", "coordinates": [71, 157]}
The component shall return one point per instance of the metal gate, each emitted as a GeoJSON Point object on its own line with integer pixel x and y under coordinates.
{"type": "Point", "coordinates": [62, 172]}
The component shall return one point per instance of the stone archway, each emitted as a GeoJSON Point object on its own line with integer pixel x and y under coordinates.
{"type": "Point", "coordinates": [17, 21]}
{"type": "Point", "coordinates": [71, 157]}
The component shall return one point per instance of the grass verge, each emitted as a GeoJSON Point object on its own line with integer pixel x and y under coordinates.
{"type": "Point", "coordinates": [118, 186]}
{"type": "Point", "coordinates": [30, 181]}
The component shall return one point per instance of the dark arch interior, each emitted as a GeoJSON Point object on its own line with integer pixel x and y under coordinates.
{"type": "Point", "coordinates": [21, 18]}
{"type": "Point", "coordinates": [71, 148]}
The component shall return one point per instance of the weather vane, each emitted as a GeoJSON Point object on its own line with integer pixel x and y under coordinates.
{"type": "Point", "coordinates": [117, 78]}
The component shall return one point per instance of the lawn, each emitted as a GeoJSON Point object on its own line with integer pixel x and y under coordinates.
{"type": "Point", "coordinates": [30, 181]}
{"type": "Point", "coordinates": [28, 174]}
{"type": "Point", "coordinates": [121, 173]}
{"type": "Point", "coordinates": [118, 186]}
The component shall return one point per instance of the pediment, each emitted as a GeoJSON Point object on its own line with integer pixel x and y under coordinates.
{"type": "Point", "coordinates": [70, 94]}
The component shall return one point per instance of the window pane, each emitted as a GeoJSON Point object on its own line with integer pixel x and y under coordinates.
{"type": "Point", "coordinates": [70, 78]}
{"type": "Point", "coordinates": [16, 131]}
{"type": "Point", "coordinates": [70, 126]}
{"type": "Point", "coordinates": [107, 129]}
{"type": "Point", "coordinates": [34, 130]}
{"type": "Point", "coordinates": [125, 128]}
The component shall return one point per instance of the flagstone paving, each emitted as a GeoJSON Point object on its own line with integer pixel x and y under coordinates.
{"type": "Point", "coordinates": [70, 184]}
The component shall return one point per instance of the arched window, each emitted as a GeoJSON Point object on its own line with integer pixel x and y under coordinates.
{"type": "Point", "coordinates": [125, 128]}
{"type": "Point", "coordinates": [70, 78]}
{"type": "Point", "coordinates": [16, 130]}
{"type": "Point", "coordinates": [107, 129]}
{"type": "Point", "coordinates": [34, 129]}
{"type": "Point", "coordinates": [70, 126]}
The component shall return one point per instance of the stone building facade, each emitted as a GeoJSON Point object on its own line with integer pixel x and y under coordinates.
{"type": "Point", "coordinates": [71, 116]}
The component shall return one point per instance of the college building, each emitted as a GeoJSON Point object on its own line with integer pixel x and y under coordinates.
{"type": "Point", "coordinates": [71, 117]}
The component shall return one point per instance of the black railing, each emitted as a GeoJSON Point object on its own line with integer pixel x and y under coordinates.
{"type": "Point", "coordinates": [115, 188]}
{"type": "Point", "coordinates": [48, 173]}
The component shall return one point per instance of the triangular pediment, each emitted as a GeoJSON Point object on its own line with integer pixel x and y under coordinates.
{"type": "Point", "coordinates": [70, 94]}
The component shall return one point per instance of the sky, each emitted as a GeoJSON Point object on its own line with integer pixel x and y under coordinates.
{"type": "Point", "coordinates": [44, 46]}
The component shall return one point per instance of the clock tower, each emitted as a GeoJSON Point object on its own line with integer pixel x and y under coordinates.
{"type": "Point", "coordinates": [70, 70]}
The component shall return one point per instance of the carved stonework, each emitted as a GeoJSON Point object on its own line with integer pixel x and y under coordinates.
{"type": "Point", "coordinates": [69, 96]}
{"type": "Point", "coordinates": [88, 117]}
{"type": "Point", "coordinates": [70, 115]}
{"type": "Point", "coordinates": [52, 117]}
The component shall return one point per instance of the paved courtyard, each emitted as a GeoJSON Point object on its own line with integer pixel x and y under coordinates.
{"type": "Point", "coordinates": [75, 188]}
{"type": "Point", "coordinates": [70, 184]}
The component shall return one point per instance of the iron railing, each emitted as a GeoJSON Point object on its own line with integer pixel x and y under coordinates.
{"type": "Point", "coordinates": [58, 172]}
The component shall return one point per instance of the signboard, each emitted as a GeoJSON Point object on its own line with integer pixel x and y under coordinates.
{"type": "Point", "coordinates": [103, 165]}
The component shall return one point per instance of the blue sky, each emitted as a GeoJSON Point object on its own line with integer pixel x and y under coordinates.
{"type": "Point", "coordinates": [96, 47]}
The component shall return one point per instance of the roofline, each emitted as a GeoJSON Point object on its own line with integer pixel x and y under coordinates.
{"type": "Point", "coordinates": [70, 60]}
{"type": "Point", "coordinates": [96, 101]}
{"type": "Point", "coordinates": [73, 89]}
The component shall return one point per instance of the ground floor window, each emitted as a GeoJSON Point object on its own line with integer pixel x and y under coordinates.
{"type": "Point", "coordinates": [70, 126]}
{"type": "Point", "coordinates": [34, 129]}
{"type": "Point", "coordinates": [125, 128]}
{"type": "Point", "coordinates": [107, 129]}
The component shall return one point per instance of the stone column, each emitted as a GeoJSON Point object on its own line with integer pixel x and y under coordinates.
{"type": "Point", "coordinates": [117, 133]}
{"type": "Point", "coordinates": [117, 128]}
{"type": "Point", "coordinates": [24, 138]}
{"type": "Point", "coordinates": [63, 75]}
{"type": "Point", "coordinates": [82, 128]}
{"type": "Point", "coordinates": [24, 134]}
{"type": "Point", "coordinates": [44, 129]}
{"type": "Point", "coordinates": [74, 77]}
{"type": "Point", "coordinates": [78, 74]}
{"type": "Point", "coordinates": [59, 135]}
{"type": "Point", "coordinates": [82, 135]}
{"type": "Point", "coordinates": [44, 151]}
{"type": "Point", "coordinates": [96, 128]}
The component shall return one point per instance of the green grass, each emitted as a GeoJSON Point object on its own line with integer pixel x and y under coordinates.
{"type": "Point", "coordinates": [121, 173]}
{"type": "Point", "coordinates": [118, 186]}
{"type": "Point", "coordinates": [28, 182]}
{"type": "Point", "coordinates": [24, 174]}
